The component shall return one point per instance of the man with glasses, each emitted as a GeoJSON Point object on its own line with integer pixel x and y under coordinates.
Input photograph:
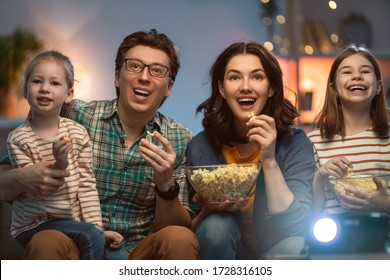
{"type": "Point", "coordinates": [141, 180]}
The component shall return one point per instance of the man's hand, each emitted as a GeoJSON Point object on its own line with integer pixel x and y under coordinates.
{"type": "Point", "coordinates": [161, 160]}
{"type": "Point", "coordinates": [39, 178]}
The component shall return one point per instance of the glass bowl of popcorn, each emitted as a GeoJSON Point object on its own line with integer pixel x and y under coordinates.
{"type": "Point", "coordinates": [362, 182]}
{"type": "Point", "coordinates": [217, 183]}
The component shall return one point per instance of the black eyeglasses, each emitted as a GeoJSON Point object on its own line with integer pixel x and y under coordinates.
{"type": "Point", "coordinates": [155, 70]}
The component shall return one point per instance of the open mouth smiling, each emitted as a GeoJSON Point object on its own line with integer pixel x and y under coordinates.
{"type": "Point", "coordinates": [246, 101]}
{"type": "Point", "coordinates": [357, 88]}
{"type": "Point", "coordinates": [43, 99]}
{"type": "Point", "coordinates": [142, 92]}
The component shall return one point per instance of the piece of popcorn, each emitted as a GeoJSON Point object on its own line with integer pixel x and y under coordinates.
{"type": "Point", "coordinates": [149, 136]}
{"type": "Point", "coordinates": [349, 172]}
{"type": "Point", "coordinates": [252, 116]}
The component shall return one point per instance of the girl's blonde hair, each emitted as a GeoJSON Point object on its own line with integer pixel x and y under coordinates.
{"type": "Point", "coordinates": [49, 55]}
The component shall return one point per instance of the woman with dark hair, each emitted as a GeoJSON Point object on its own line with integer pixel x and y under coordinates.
{"type": "Point", "coordinates": [246, 80]}
{"type": "Point", "coordinates": [353, 132]}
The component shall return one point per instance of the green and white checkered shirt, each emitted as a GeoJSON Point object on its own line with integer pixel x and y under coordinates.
{"type": "Point", "coordinates": [123, 177]}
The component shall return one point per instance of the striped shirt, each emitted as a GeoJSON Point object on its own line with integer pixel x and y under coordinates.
{"type": "Point", "coordinates": [124, 178]}
{"type": "Point", "coordinates": [76, 200]}
{"type": "Point", "coordinates": [367, 152]}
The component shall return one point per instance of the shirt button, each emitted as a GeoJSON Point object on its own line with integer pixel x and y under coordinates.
{"type": "Point", "coordinates": [125, 168]}
{"type": "Point", "coordinates": [122, 140]}
{"type": "Point", "coordinates": [113, 214]}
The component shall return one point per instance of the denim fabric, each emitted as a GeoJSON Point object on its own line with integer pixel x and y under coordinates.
{"type": "Point", "coordinates": [290, 246]}
{"type": "Point", "coordinates": [116, 254]}
{"type": "Point", "coordinates": [218, 236]}
{"type": "Point", "coordinates": [88, 239]}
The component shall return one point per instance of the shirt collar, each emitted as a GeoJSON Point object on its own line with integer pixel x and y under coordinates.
{"type": "Point", "coordinates": [111, 110]}
{"type": "Point", "coordinates": [155, 123]}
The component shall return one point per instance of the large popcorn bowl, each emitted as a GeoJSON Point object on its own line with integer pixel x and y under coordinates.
{"type": "Point", "coordinates": [362, 182]}
{"type": "Point", "coordinates": [217, 183]}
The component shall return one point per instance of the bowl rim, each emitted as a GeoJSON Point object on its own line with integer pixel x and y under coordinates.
{"type": "Point", "coordinates": [359, 176]}
{"type": "Point", "coordinates": [223, 165]}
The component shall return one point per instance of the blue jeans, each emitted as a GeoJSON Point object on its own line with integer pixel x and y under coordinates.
{"type": "Point", "coordinates": [220, 238]}
{"type": "Point", "coordinates": [117, 254]}
{"type": "Point", "coordinates": [88, 239]}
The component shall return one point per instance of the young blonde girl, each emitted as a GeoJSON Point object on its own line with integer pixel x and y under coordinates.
{"type": "Point", "coordinates": [74, 207]}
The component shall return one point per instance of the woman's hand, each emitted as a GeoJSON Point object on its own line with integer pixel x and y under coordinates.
{"type": "Point", "coordinates": [223, 206]}
{"type": "Point", "coordinates": [378, 201]}
{"type": "Point", "coordinates": [263, 131]}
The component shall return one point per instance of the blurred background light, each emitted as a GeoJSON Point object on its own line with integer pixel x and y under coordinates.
{"type": "Point", "coordinates": [332, 5]}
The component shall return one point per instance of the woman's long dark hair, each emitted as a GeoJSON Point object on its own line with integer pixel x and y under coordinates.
{"type": "Point", "coordinates": [218, 118]}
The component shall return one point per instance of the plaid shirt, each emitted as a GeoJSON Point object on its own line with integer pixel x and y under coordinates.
{"type": "Point", "coordinates": [123, 177]}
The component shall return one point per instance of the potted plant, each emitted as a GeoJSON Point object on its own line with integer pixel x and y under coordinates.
{"type": "Point", "coordinates": [14, 50]}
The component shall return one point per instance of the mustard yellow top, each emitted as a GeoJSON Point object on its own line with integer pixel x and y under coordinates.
{"type": "Point", "coordinates": [232, 155]}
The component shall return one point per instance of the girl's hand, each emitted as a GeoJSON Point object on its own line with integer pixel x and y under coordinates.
{"type": "Point", "coordinates": [61, 149]}
{"type": "Point", "coordinates": [337, 167]}
{"type": "Point", "coordinates": [377, 201]}
{"type": "Point", "coordinates": [114, 239]}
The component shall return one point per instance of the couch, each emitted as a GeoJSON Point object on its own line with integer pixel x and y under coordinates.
{"type": "Point", "coordinates": [10, 249]}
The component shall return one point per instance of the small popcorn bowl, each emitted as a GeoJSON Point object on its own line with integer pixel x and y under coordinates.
{"type": "Point", "coordinates": [217, 183]}
{"type": "Point", "coordinates": [362, 182]}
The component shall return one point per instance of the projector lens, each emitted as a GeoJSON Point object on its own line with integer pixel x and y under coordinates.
{"type": "Point", "coordinates": [325, 230]}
